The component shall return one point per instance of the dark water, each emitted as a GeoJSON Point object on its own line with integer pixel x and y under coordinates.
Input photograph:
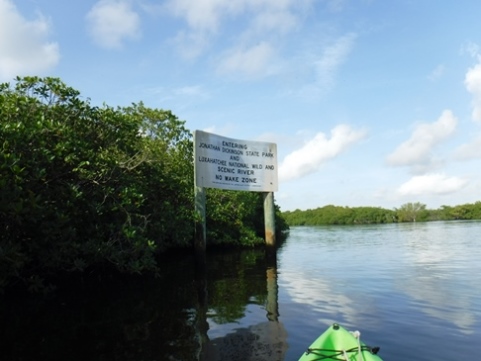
{"type": "Point", "coordinates": [412, 289]}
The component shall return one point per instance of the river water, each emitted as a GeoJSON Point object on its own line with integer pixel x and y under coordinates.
{"type": "Point", "coordinates": [412, 289]}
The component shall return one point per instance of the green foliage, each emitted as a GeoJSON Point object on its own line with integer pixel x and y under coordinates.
{"type": "Point", "coordinates": [85, 187]}
{"type": "Point", "coordinates": [409, 212]}
{"type": "Point", "coordinates": [237, 218]}
{"type": "Point", "coordinates": [82, 186]}
{"type": "Point", "coordinates": [233, 218]}
{"type": "Point", "coordinates": [339, 215]}
{"type": "Point", "coordinates": [462, 212]}
{"type": "Point", "coordinates": [412, 212]}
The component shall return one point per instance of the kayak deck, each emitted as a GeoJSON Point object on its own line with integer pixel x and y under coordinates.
{"type": "Point", "coordinates": [336, 343]}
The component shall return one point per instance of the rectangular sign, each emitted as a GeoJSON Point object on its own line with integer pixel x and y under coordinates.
{"type": "Point", "coordinates": [234, 164]}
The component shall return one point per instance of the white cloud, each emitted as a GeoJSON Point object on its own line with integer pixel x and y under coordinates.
{"type": "Point", "coordinates": [190, 90]}
{"type": "Point", "coordinates": [110, 22]}
{"type": "Point", "coordinates": [470, 150]}
{"type": "Point", "coordinates": [278, 20]}
{"type": "Point", "coordinates": [318, 151]}
{"type": "Point", "coordinates": [431, 184]}
{"type": "Point", "coordinates": [332, 57]}
{"type": "Point", "coordinates": [24, 48]}
{"type": "Point", "coordinates": [207, 15]}
{"type": "Point", "coordinates": [252, 61]}
{"type": "Point", "coordinates": [203, 15]}
{"type": "Point", "coordinates": [261, 27]}
{"type": "Point", "coordinates": [472, 49]}
{"type": "Point", "coordinates": [437, 73]}
{"type": "Point", "coordinates": [205, 18]}
{"type": "Point", "coordinates": [473, 85]}
{"type": "Point", "coordinates": [190, 44]}
{"type": "Point", "coordinates": [325, 65]}
{"type": "Point", "coordinates": [335, 5]}
{"type": "Point", "coordinates": [417, 150]}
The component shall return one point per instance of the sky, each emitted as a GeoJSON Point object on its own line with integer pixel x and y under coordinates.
{"type": "Point", "coordinates": [371, 103]}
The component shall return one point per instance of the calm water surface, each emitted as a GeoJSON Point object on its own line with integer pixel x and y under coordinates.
{"type": "Point", "coordinates": [412, 289]}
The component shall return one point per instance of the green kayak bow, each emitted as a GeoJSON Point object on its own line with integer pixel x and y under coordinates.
{"type": "Point", "coordinates": [336, 343]}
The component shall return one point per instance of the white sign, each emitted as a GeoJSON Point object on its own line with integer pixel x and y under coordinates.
{"type": "Point", "coordinates": [234, 164]}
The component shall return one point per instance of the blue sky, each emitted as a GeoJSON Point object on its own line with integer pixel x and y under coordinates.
{"type": "Point", "coordinates": [370, 102]}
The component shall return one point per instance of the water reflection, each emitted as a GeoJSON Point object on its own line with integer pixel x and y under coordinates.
{"type": "Point", "coordinates": [244, 335]}
{"type": "Point", "coordinates": [264, 341]}
{"type": "Point", "coordinates": [330, 299]}
{"type": "Point", "coordinates": [440, 273]}
{"type": "Point", "coordinates": [408, 288]}
{"type": "Point", "coordinates": [227, 308]}
{"type": "Point", "coordinates": [414, 283]}
{"type": "Point", "coordinates": [326, 271]}
{"type": "Point", "coordinates": [110, 319]}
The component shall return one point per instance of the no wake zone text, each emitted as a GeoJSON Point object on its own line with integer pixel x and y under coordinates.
{"type": "Point", "coordinates": [229, 178]}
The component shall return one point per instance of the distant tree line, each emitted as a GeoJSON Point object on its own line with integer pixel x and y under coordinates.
{"type": "Point", "coordinates": [85, 187]}
{"type": "Point", "coordinates": [409, 212]}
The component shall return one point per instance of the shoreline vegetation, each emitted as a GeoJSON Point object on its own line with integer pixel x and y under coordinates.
{"type": "Point", "coordinates": [87, 189]}
{"type": "Point", "coordinates": [409, 212]}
